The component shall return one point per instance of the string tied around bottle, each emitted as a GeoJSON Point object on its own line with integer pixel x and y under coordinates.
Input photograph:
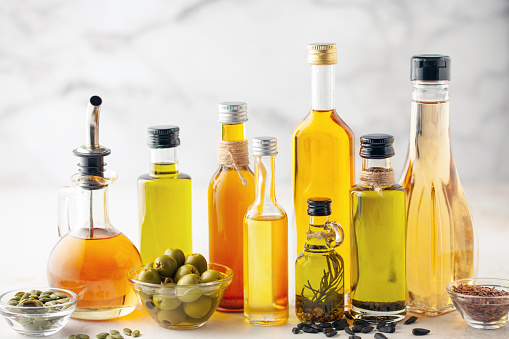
{"type": "Point", "coordinates": [233, 154]}
{"type": "Point", "coordinates": [377, 179]}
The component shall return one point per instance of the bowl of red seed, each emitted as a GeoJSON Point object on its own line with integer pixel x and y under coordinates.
{"type": "Point", "coordinates": [482, 302]}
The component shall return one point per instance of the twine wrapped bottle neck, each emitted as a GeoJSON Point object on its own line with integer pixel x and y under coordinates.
{"type": "Point", "coordinates": [377, 178]}
{"type": "Point", "coordinates": [233, 154]}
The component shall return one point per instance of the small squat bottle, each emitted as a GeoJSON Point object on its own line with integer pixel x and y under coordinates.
{"type": "Point", "coordinates": [378, 235]}
{"type": "Point", "coordinates": [164, 197]}
{"type": "Point", "coordinates": [265, 245]}
{"type": "Point", "coordinates": [319, 270]}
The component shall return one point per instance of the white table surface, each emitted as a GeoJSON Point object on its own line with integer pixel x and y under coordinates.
{"type": "Point", "coordinates": [28, 219]}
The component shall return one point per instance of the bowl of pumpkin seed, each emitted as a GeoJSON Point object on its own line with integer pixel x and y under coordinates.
{"type": "Point", "coordinates": [38, 312]}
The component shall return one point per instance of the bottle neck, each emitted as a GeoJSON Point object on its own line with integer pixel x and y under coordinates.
{"type": "Point", "coordinates": [233, 132]}
{"type": "Point", "coordinates": [430, 91]}
{"type": "Point", "coordinates": [376, 164]}
{"type": "Point", "coordinates": [264, 174]}
{"type": "Point", "coordinates": [163, 161]}
{"type": "Point", "coordinates": [322, 87]}
{"type": "Point", "coordinates": [313, 242]}
{"type": "Point", "coordinates": [92, 209]}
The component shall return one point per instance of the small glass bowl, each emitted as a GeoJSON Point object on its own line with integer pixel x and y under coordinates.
{"type": "Point", "coordinates": [182, 307]}
{"type": "Point", "coordinates": [483, 312]}
{"type": "Point", "coordinates": [38, 321]}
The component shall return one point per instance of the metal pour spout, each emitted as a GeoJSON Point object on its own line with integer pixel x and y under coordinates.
{"type": "Point", "coordinates": [93, 109]}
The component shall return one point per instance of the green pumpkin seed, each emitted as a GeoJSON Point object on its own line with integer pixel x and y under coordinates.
{"type": "Point", "coordinates": [72, 336]}
{"type": "Point", "coordinates": [127, 331]}
{"type": "Point", "coordinates": [109, 337]}
{"type": "Point", "coordinates": [53, 296]}
{"type": "Point", "coordinates": [102, 335]}
{"type": "Point", "coordinates": [136, 333]}
{"type": "Point", "coordinates": [114, 332]}
{"type": "Point", "coordinates": [61, 295]}
{"type": "Point", "coordinates": [12, 303]}
{"type": "Point", "coordinates": [118, 336]}
{"type": "Point", "coordinates": [82, 336]}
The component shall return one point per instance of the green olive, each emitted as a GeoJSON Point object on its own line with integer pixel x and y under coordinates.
{"type": "Point", "coordinates": [168, 281]}
{"type": "Point", "coordinates": [166, 303]}
{"type": "Point", "coordinates": [198, 261]}
{"type": "Point", "coordinates": [210, 276]}
{"type": "Point", "coordinates": [198, 308]}
{"type": "Point", "coordinates": [149, 265]}
{"type": "Point", "coordinates": [184, 270]}
{"type": "Point", "coordinates": [165, 266]}
{"type": "Point", "coordinates": [190, 294]}
{"type": "Point", "coordinates": [171, 317]}
{"type": "Point", "coordinates": [176, 254]}
{"type": "Point", "coordinates": [149, 275]}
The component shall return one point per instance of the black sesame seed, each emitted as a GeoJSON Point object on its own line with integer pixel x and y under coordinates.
{"type": "Point", "coordinates": [387, 329]}
{"type": "Point", "coordinates": [331, 334]}
{"type": "Point", "coordinates": [410, 320]}
{"type": "Point", "coordinates": [367, 329]}
{"type": "Point", "coordinates": [349, 331]}
{"type": "Point", "coordinates": [295, 330]}
{"type": "Point", "coordinates": [420, 331]}
{"type": "Point", "coordinates": [380, 336]}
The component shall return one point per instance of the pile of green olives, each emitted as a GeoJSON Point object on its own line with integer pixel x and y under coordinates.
{"type": "Point", "coordinates": [183, 300]}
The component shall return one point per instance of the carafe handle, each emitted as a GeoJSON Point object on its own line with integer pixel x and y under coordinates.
{"type": "Point", "coordinates": [65, 195]}
{"type": "Point", "coordinates": [340, 234]}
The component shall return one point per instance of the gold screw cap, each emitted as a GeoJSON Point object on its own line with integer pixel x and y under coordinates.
{"type": "Point", "coordinates": [321, 53]}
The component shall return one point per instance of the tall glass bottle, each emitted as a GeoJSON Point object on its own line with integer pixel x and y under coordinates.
{"type": "Point", "coordinates": [323, 159]}
{"type": "Point", "coordinates": [92, 257]}
{"type": "Point", "coordinates": [319, 270]}
{"type": "Point", "coordinates": [265, 245]}
{"type": "Point", "coordinates": [441, 240]}
{"type": "Point", "coordinates": [164, 197]}
{"type": "Point", "coordinates": [231, 191]}
{"type": "Point", "coordinates": [378, 235]}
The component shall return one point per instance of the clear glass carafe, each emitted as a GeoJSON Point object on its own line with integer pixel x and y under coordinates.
{"type": "Point", "coordinates": [319, 270]}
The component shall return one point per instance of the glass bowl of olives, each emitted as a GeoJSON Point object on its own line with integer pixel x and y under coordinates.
{"type": "Point", "coordinates": [183, 293]}
{"type": "Point", "coordinates": [38, 312]}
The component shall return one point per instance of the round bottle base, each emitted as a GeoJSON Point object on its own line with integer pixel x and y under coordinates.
{"type": "Point", "coordinates": [375, 316]}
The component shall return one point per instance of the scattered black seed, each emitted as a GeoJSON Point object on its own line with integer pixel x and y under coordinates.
{"type": "Point", "coordinates": [381, 323]}
{"type": "Point", "coordinates": [309, 330]}
{"type": "Point", "coordinates": [367, 329]}
{"type": "Point", "coordinates": [354, 337]}
{"type": "Point", "coordinates": [387, 329]}
{"type": "Point", "coordinates": [330, 334]}
{"type": "Point", "coordinates": [328, 329]}
{"type": "Point", "coordinates": [348, 315]}
{"type": "Point", "coordinates": [348, 330]}
{"type": "Point", "coordinates": [410, 320]}
{"type": "Point", "coordinates": [317, 327]}
{"type": "Point", "coordinates": [340, 323]}
{"type": "Point", "coordinates": [380, 336]}
{"type": "Point", "coordinates": [295, 330]}
{"type": "Point", "coordinates": [357, 328]}
{"type": "Point", "coordinates": [361, 322]}
{"type": "Point", "coordinates": [304, 324]}
{"type": "Point", "coordinates": [326, 325]}
{"type": "Point", "coordinates": [420, 331]}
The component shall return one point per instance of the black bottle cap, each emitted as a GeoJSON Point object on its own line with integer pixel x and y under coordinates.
{"type": "Point", "coordinates": [319, 207]}
{"type": "Point", "coordinates": [163, 136]}
{"type": "Point", "coordinates": [430, 67]}
{"type": "Point", "coordinates": [377, 146]}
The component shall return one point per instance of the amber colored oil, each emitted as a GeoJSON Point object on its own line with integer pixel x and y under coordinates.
{"type": "Point", "coordinates": [96, 270]}
{"type": "Point", "coordinates": [440, 233]}
{"type": "Point", "coordinates": [324, 167]}
{"type": "Point", "coordinates": [228, 201]}
{"type": "Point", "coordinates": [266, 265]}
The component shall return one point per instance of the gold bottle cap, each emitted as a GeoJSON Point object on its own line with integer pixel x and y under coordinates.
{"type": "Point", "coordinates": [321, 53]}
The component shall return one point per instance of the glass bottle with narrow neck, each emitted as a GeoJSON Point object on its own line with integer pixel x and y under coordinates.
{"type": "Point", "coordinates": [231, 191]}
{"type": "Point", "coordinates": [164, 198]}
{"type": "Point", "coordinates": [378, 235]}
{"type": "Point", "coordinates": [319, 270]}
{"type": "Point", "coordinates": [441, 240]}
{"type": "Point", "coordinates": [322, 150]}
{"type": "Point", "coordinates": [86, 259]}
{"type": "Point", "coordinates": [265, 245]}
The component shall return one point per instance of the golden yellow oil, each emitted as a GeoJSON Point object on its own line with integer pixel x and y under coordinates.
{"type": "Point", "coordinates": [378, 251]}
{"type": "Point", "coordinates": [266, 270]}
{"type": "Point", "coordinates": [164, 200]}
{"type": "Point", "coordinates": [323, 166]}
{"type": "Point", "coordinates": [440, 233]}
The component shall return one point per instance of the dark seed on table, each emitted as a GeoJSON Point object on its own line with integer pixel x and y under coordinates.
{"type": "Point", "coordinates": [328, 329]}
{"type": "Point", "coordinates": [348, 315]}
{"type": "Point", "coordinates": [420, 331]}
{"type": "Point", "coordinates": [410, 320]}
{"type": "Point", "coordinates": [354, 337]}
{"type": "Point", "coordinates": [340, 323]}
{"type": "Point", "coordinates": [349, 331]}
{"type": "Point", "coordinates": [362, 322]}
{"type": "Point", "coordinates": [380, 336]}
{"type": "Point", "coordinates": [387, 329]}
{"type": "Point", "coordinates": [317, 327]}
{"type": "Point", "coordinates": [309, 330]}
{"type": "Point", "coordinates": [304, 324]}
{"type": "Point", "coordinates": [357, 328]}
{"type": "Point", "coordinates": [381, 323]}
{"type": "Point", "coordinates": [295, 330]}
{"type": "Point", "coordinates": [326, 325]}
{"type": "Point", "coordinates": [367, 329]}
{"type": "Point", "coordinates": [330, 334]}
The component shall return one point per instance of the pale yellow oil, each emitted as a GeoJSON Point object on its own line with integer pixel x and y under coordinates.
{"type": "Point", "coordinates": [164, 201]}
{"type": "Point", "coordinates": [266, 270]}
{"type": "Point", "coordinates": [323, 166]}
{"type": "Point", "coordinates": [440, 232]}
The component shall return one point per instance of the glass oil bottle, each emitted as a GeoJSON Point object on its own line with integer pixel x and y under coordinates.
{"type": "Point", "coordinates": [231, 192]}
{"type": "Point", "coordinates": [92, 257]}
{"type": "Point", "coordinates": [319, 270]}
{"type": "Point", "coordinates": [164, 197]}
{"type": "Point", "coordinates": [322, 146]}
{"type": "Point", "coordinates": [378, 235]}
{"type": "Point", "coordinates": [265, 245]}
{"type": "Point", "coordinates": [441, 239]}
